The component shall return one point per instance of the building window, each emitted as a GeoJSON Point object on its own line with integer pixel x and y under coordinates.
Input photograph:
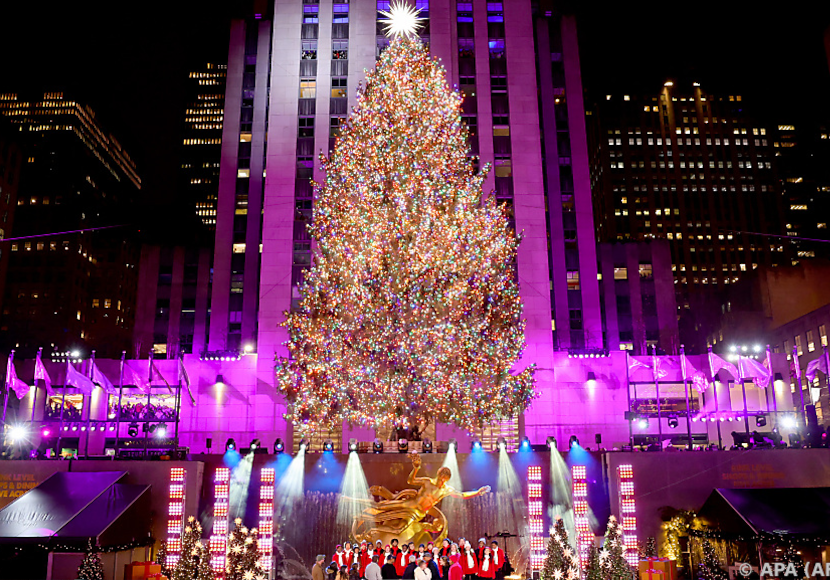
{"type": "Point", "coordinates": [620, 273]}
{"type": "Point", "coordinates": [306, 127]}
{"type": "Point", "coordinates": [822, 333]}
{"type": "Point", "coordinates": [573, 280]}
{"type": "Point", "coordinates": [309, 50]}
{"type": "Point", "coordinates": [787, 349]}
{"type": "Point", "coordinates": [308, 88]}
{"type": "Point", "coordinates": [495, 12]}
{"type": "Point", "coordinates": [311, 13]}
{"type": "Point", "coordinates": [338, 87]}
{"type": "Point", "coordinates": [811, 343]}
{"type": "Point", "coordinates": [798, 346]}
{"type": "Point", "coordinates": [464, 11]}
{"type": "Point", "coordinates": [496, 47]}
{"type": "Point", "coordinates": [339, 49]}
{"type": "Point", "coordinates": [107, 303]}
{"type": "Point", "coordinates": [646, 271]}
{"type": "Point", "coordinates": [341, 13]}
{"type": "Point", "coordinates": [466, 48]}
{"type": "Point", "coordinates": [95, 303]}
{"type": "Point", "coordinates": [504, 167]}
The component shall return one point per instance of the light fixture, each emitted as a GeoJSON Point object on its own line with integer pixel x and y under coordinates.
{"type": "Point", "coordinates": [305, 445]}
{"type": "Point", "coordinates": [230, 444]}
{"type": "Point", "coordinates": [426, 445]}
{"type": "Point", "coordinates": [453, 444]}
{"type": "Point", "coordinates": [476, 444]}
{"type": "Point", "coordinates": [551, 441]}
{"type": "Point", "coordinates": [501, 442]}
{"type": "Point", "coordinates": [353, 445]}
{"type": "Point", "coordinates": [642, 423]}
{"type": "Point", "coordinates": [757, 348]}
{"type": "Point", "coordinates": [573, 441]}
{"type": "Point", "coordinates": [75, 428]}
{"type": "Point", "coordinates": [760, 421]}
{"type": "Point", "coordinates": [132, 429]}
{"type": "Point", "coordinates": [279, 446]}
{"type": "Point", "coordinates": [377, 446]}
{"type": "Point", "coordinates": [249, 348]}
{"type": "Point", "coordinates": [328, 446]}
{"type": "Point", "coordinates": [673, 422]}
{"type": "Point", "coordinates": [788, 422]}
{"type": "Point", "coordinates": [403, 445]}
{"type": "Point", "coordinates": [161, 430]}
{"type": "Point", "coordinates": [592, 379]}
{"type": "Point", "coordinates": [75, 353]}
{"type": "Point", "coordinates": [525, 445]}
{"type": "Point", "coordinates": [18, 433]}
{"type": "Point", "coordinates": [220, 381]}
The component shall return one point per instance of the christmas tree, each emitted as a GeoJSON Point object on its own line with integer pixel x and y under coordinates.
{"type": "Point", "coordinates": [594, 569]}
{"type": "Point", "coordinates": [411, 310]}
{"type": "Point", "coordinates": [161, 558]}
{"type": "Point", "coordinates": [243, 554]}
{"type": "Point", "coordinates": [791, 556]}
{"type": "Point", "coordinates": [615, 565]}
{"type": "Point", "coordinates": [560, 561]}
{"type": "Point", "coordinates": [91, 567]}
{"type": "Point", "coordinates": [651, 548]}
{"type": "Point", "coordinates": [195, 559]}
{"type": "Point", "coordinates": [709, 568]}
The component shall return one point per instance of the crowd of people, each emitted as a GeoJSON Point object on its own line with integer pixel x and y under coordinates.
{"type": "Point", "coordinates": [70, 412]}
{"type": "Point", "coordinates": [450, 560]}
{"type": "Point", "coordinates": [144, 411]}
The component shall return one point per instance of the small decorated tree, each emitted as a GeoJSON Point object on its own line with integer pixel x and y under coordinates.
{"type": "Point", "coordinates": [709, 568]}
{"type": "Point", "coordinates": [161, 558]}
{"type": "Point", "coordinates": [615, 565]}
{"type": "Point", "coordinates": [593, 569]}
{"type": "Point", "coordinates": [651, 547]}
{"type": "Point", "coordinates": [243, 554]}
{"type": "Point", "coordinates": [91, 567]}
{"type": "Point", "coordinates": [791, 556]}
{"type": "Point", "coordinates": [560, 562]}
{"type": "Point", "coordinates": [195, 560]}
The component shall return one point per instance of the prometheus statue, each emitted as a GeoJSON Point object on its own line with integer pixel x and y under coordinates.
{"type": "Point", "coordinates": [411, 515]}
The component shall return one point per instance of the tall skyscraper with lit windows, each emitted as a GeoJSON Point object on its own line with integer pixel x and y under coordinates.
{"type": "Point", "coordinates": [293, 71]}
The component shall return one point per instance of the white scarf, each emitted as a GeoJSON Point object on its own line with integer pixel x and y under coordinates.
{"type": "Point", "coordinates": [496, 556]}
{"type": "Point", "coordinates": [341, 558]}
{"type": "Point", "coordinates": [369, 553]}
{"type": "Point", "coordinates": [486, 564]}
{"type": "Point", "coordinates": [470, 562]}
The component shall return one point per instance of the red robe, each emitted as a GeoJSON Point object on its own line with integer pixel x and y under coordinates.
{"type": "Point", "coordinates": [342, 559]}
{"type": "Point", "coordinates": [498, 557]}
{"type": "Point", "coordinates": [365, 558]}
{"type": "Point", "coordinates": [480, 553]}
{"type": "Point", "coordinates": [401, 562]}
{"type": "Point", "coordinates": [395, 550]}
{"type": "Point", "coordinates": [486, 568]}
{"type": "Point", "coordinates": [445, 551]}
{"type": "Point", "coordinates": [456, 572]}
{"type": "Point", "coordinates": [469, 563]}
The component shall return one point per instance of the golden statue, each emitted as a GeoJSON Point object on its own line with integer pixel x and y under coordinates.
{"type": "Point", "coordinates": [410, 515]}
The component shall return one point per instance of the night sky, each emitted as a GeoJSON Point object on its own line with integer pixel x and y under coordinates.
{"type": "Point", "coordinates": [129, 60]}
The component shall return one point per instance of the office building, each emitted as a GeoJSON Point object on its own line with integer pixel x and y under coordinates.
{"type": "Point", "coordinates": [202, 140]}
{"type": "Point", "coordinates": [11, 161]}
{"type": "Point", "coordinates": [76, 289]}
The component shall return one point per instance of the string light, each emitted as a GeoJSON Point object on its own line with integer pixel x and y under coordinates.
{"type": "Point", "coordinates": [411, 310]}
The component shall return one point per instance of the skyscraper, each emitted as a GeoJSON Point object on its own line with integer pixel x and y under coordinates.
{"type": "Point", "coordinates": [202, 139]}
{"type": "Point", "coordinates": [694, 169]}
{"type": "Point", "coordinates": [69, 290]}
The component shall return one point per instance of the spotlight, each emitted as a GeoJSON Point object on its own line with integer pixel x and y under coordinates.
{"type": "Point", "coordinates": [377, 446]}
{"type": "Point", "coordinates": [132, 429]}
{"type": "Point", "coordinates": [255, 444]}
{"type": "Point", "coordinates": [426, 445]}
{"type": "Point", "coordinates": [453, 444]}
{"type": "Point", "coordinates": [161, 430]}
{"type": "Point", "coordinates": [573, 441]}
{"type": "Point", "coordinates": [673, 422]}
{"type": "Point", "coordinates": [328, 446]}
{"type": "Point", "coordinates": [75, 353]}
{"type": "Point", "coordinates": [788, 422]}
{"type": "Point", "coordinates": [112, 427]}
{"type": "Point", "coordinates": [249, 347]}
{"type": "Point", "coordinates": [18, 433]}
{"type": "Point", "coordinates": [695, 419]}
{"type": "Point", "coordinates": [476, 444]}
{"type": "Point", "coordinates": [642, 423]}
{"type": "Point", "coordinates": [230, 444]}
{"type": "Point", "coordinates": [75, 428]}
{"type": "Point", "coordinates": [760, 421]}
{"type": "Point", "coordinates": [92, 428]}
{"type": "Point", "coordinates": [83, 427]}
{"type": "Point", "coordinates": [502, 443]}
{"type": "Point", "coordinates": [525, 446]}
{"type": "Point", "coordinates": [592, 379]}
{"type": "Point", "coordinates": [279, 446]}
{"type": "Point", "coordinates": [551, 441]}
{"type": "Point", "coordinates": [353, 445]}
{"type": "Point", "coordinates": [403, 445]}
{"type": "Point", "coordinates": [757, 348]}
{"type": "Point", "coordinates": [305, 445]}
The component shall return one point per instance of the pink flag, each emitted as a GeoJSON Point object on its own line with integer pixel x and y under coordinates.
{"type": "Point", "coordinates": [12, 382]}
{"type": "Point", "coordinates": [752, 369]}
{"type": "Point", "coordinates": [133, 378]}
{"type": "Point", "coordinates": [41, 374]}
{"type": "Point", "coordinates": [102, 381]}
{"type": "Point", "coordinates": [77, 380]}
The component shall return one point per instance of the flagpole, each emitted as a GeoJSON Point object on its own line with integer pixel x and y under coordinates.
{"type": "Point", "coordinates": [771, 384]}
{"type": "Point", "coordinates": [628, 392]}
{"type": "Point", "coordinates": [686, 390]}
{"type": "Point", "coordinates": [63, 408]}
{"type": "Point", "coordinates": [656, 374]}
{"type": "Point", "coordinates": [118, 409]}
{"type": "Point", "coordinates": [6, 394]}
{"type": "Point", "coordinates": [800, 387]}
{"type": "Point", "coordinates": [149, 399]}
{"type": "Point", "coordinates": [34, 396]}
{"type": "Point", "coordinates": [717, 406]}
{"type": "Point", "coordinates": [743, 389]}
{"type": "Point", "coordinates": [89, 403]}
{"type": "Point", "coordinates": [178, 398]}
{"type": "Point", "coordinates": [827, 369]}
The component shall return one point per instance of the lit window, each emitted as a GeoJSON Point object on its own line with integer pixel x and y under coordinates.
{"type": "Point", "coordinates": [244, 137]}
{"type": "Point", "coordinates": [107, 303]}
{"type": "Point", "coordinates": [822, 332]}
{"type": "Point", "coordinates": [646, 271]}
{"type": "Point", "coordinates": [308, 88]}
{"type": "Point", "coordinates": [339, 49]}
{"type": "Point", "coordinates": [811, 345]}
{"type": "Point", "coordinates": [95, 303]}
{"type": "Point", "coordinates": [338, 87]}
{"type": "Point", "coordinates": [573, 280]}
{"type": "Point", "coordinates": [620, 273]}
{"type": "Point", "coordinates": [504, 168]}
{"type": "Point", "coordinates": [496, 47]}
{"type": "Point", "coordinates": [799, 347]}
{"type": "Point", "coordinates": [243, 172]}
{"type": "Point", "coordinates": [239, 248]}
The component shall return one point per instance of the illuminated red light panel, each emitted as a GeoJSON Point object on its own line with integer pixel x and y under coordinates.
{"type": "Point", "coordinates": [628, 519]}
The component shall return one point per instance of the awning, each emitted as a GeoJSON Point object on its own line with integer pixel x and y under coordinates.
{"type": "Point", "coordinates": [70, 507]}
{"type": "Point", "coordinates": [795, 512]}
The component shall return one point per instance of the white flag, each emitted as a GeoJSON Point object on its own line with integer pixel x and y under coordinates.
{"type": "Point", "coordinates": [716, 363]}
{"type": "Point", "coordinates": [77, 380]}
{"type": "Point", "coordinates": [752, 369]}
{"type": "Point", "coordinates": [820, 364]}
{"type": "Point", "coordinates": [133, 378]}
{"type": "Point", "coordinates": [102, 381]}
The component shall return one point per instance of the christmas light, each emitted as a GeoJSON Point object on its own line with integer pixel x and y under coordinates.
{"type": "Point", "coordinates": [411, 309]}
{"type": "Point", "coordinates": [266, 516]}
{"type": "Point", "coordinates": [534, 517]}
{"type": "Point", "coordinates": [175, 515]}
{"type": "Point", "coordinates": [219, 538]}
{"type": "Point", "coordinates": [584, 535]}
{"type": "Point", "coordinates": [628, 520]}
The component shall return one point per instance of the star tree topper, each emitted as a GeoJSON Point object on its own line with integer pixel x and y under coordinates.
{"type": "Point", "coordinates": [402, 19]}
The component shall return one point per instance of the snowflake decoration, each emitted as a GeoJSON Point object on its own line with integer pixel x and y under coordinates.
{"type": "Point", "coordinates": [248, 575]}
{"type": "Point", "coordinates": [557, 574]}
{"type": "Point", "coordinates": [401, 20]}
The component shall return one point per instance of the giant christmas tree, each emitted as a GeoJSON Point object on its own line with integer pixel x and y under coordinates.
{"type": "Point", "coordinates": [411, 309]}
